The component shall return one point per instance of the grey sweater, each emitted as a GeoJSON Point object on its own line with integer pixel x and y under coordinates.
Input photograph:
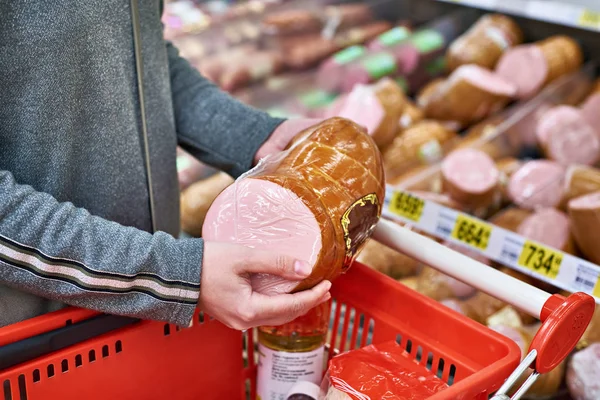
{"type": "Point", "coordinates": [76, 156]}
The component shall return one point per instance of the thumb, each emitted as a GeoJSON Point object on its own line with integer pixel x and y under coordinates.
{"type": "Point", "coordinates": [287, 267]}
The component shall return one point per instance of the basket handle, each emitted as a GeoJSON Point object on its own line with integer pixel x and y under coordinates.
{"type": "Point", "coordinates": [564, 319]}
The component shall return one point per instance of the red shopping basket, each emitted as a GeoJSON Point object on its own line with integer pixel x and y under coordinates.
{"type": "Point", "coordinates": [151, 360]}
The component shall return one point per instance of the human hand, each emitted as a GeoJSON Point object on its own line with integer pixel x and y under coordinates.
{"type": "Point", "coordinates": [227, 295]}
{"type": "Point", "coordinates": [282, 136]}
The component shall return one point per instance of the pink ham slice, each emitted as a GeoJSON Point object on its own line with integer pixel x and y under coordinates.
{"type": "Point", "coordinates": [567, 137]}
{"type": "Point", "coordinates": [524, 66]}
{"type": "Point", "coordinates": [583, 374]}
{"type": "Point", "coordinates": [363, 107]}
{"type": "Point", "coordinates": [538, 183]}
{"type": "Point", "coordinates": [263, 215]}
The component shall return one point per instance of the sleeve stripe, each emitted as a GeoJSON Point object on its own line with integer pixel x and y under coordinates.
{"type": "Point", "coordinates": [7, 245]}
{"type": "Point", "coordinates": [84, 281]}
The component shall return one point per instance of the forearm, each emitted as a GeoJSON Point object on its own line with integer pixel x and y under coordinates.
{"type": "Point", "coordinates": [57, 251]}
{"type": "Point", "coordinates": [213, 126]}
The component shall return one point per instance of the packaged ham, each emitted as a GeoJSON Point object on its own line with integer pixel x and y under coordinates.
{"type": "Point", "coordinates": [381, 371]}
{"type": "Point", "coordinates": [584, 212]}
{"type": "Point", "coordinates": [387, 261]}
{"type": "Point", "coordinates": [468, 95]}
{"type": "Point", "coordinates": [377, 107]}
{"type": "Point", "coordinates": [485, 42]}
{"type": "Point", "coordinates": [549, 226]}
{"type": "Point", "coordinates": [421, 143]}
{"type": "Point", "coordinates": [583, 372]}
{"type": "Point", "coordinates": [532, 66]}
{"type": "Point", "coordinates": [317, 201]}
{"type": "Point", "coordinates": [538, 183]}
{"type": "Point", "coordinates": [567, 137]}
{"type": "Point", "coordinates": [581, 180]}
{"type": "Point", "coordinates": [196, 200]}
{"type": "Point", "coordinates": [471, 177]}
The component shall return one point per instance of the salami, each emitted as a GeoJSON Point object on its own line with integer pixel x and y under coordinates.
{"type": "Point", "coordinates": [318, 201]}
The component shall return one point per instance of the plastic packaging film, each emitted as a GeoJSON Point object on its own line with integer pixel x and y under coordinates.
{"type": "Point", "coordinates": [317, 201]}
{"type": "Point", "coordinates": [377, 372]}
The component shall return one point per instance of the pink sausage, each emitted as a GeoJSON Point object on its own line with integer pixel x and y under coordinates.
{"type": "Point", "coordinates": [568, 137]}
{"type": "Point", "coordinates": [524, 66]}
{"type": "Point", "coordinates": [547, 226]}
{"type": "Point", "coordinates": [538, 183]}
{"type": "Point", "coordinates": [590, 110]}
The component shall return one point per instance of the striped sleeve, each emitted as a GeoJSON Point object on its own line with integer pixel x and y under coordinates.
{"type": "Point", "coordinates": [60, 252]}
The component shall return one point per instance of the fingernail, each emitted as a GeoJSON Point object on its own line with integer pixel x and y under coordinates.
{"type": "Point", "coordinates": [302, 268]}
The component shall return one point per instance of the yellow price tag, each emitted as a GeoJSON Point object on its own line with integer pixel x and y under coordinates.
{"type": "Point", "coordinates": [407, 205]}
{"type": "Point", "coordinates": [589, 19]}
{"type": "Point", "coordinates": [540, 259]}
{"type": "Point", "coordinates": [472, 232]}
{"type": "Point", "coordinates": [596, 292]}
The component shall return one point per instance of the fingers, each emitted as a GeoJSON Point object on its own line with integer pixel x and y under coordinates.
{"type": "Point", "coordinates": [262, 262]}
{"type": "Point", "coordinates": [278, 310]}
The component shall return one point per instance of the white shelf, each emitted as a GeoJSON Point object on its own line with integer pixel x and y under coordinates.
{"type": "Point", "coordinates": [584, 14]}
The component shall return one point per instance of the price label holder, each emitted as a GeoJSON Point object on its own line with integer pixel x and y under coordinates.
{"type": "Point", "coordinates": [589, 19]}
{"type": "Point", "coordinates": [505, 247]}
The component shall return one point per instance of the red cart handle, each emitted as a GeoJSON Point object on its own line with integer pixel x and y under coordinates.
{"type": "Point", "coordinates": [564, 319]}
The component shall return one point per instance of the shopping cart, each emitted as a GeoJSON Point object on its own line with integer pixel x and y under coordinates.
{"type": "Point", "coordinates": [151, 360]}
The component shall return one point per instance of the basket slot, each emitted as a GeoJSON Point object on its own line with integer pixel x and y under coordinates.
{"type": "Point", "coordinates": [344, 333]}
{"type": "Point", "coordinates": [92, 356]}
{"type": "Point", "coordinates": [167, 330]}
{"type": "Point", "coordinates": [7, 392]}
{"type": "Point", "coordinates": [336, 308]}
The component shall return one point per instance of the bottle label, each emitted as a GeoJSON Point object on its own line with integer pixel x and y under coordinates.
{"type": "Point", "coordinates": [278, 371]}
{"type": "Point", "coordinates": [427, 41]}
{"type": "Point", "coordinates": [393, 36]}
{"type": "Point", "coordinates": [349, 54]}
{"type": "Point", "coordinates": [380, 65]}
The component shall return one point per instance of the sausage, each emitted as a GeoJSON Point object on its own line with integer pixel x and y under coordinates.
{"type": "Point", "coordinates": [538, 183]}
{"type": "Point", "coordinates": [592, 333]}
{"type": "Point", "coordinates": [290, 22]}
{"type": "Point", "coordinates": [470, 94]}
{"type": "Point", "coordinates": [390, 38]}
{"type": "Point", "coordinates": [485, 42]}
{"type": "Point", "coordinates": [196, 200]}
{"type": "Point", "coordinates": [421, 143]}
{"type": "Point", "coordinates": [439, 286]}
{"type": "Point", "coordinates": [349, 15]}
{"type": "Point", "coordinates": [263, 65]}
{"type": "Point", "coordinates": [387, 261]}
{"type": "Point", "coordinates": [307, 53]}
{"type": "Point", "coordinates": [378, 108]}
{"type": "Point", "coordinates": [329, 74]}
{"type": "Point", "coordinates": [532, 66]}
{"type": "Point", "coordinates": [567, 137]}
{"type": "Point", "coordinates": [526, 67]}
{"type": "Point", "coordinates": [549, 226]}
{"type": "Point", "coordinates": [583, 372]}
{"type": "Point", "coordinates": [428, 90]}
{"type": "Point", "coordinates": [507, 167]}
{"type": "Point", "coordinates": [319, 201]}
{"type": "Point", "coordinates": [510, 218]}
{"type": "Point", "coordinates": [411, 114]}
{"type": "Point", "coordinates": [471, 177]}
{"type": "Point", "coordinates": [584, 212]}
{"type": "Point", "coordinates": [581, 180]}
{"type": "Point", "coordinates": [410, 282]}
{"type": "Point", "coordinates": [420, 178]}
{"type": "Point", "coordinates": [589, 111]}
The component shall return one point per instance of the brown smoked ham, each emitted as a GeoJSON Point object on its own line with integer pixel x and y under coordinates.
{"type": "Point", "coordinates": [319, 201]}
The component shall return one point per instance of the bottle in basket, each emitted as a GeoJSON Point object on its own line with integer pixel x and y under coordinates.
{"type": "Point", "coordinates": [292, 353]}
